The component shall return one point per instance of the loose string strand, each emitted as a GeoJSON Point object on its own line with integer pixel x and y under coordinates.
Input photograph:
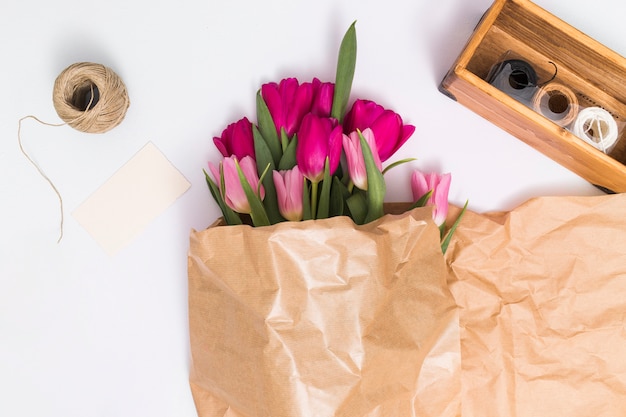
{"type": "Point", "coordinates": [88, 97]}
{"type": "Point", "coordinates": [556, 71]}
{"type": "Point", "coordinates": [36, 165]}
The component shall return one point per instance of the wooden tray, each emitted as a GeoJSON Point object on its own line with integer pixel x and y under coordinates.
{"type": "Point", "coordinates": [596, 73]}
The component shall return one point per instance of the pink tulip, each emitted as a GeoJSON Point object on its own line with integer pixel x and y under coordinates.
{"type": "Point", "coordinates": [440, 185]}
{"type": "Point", "coordinates": [289, 186]}
{"type": "Point", "coordinates": [388, 128]}
{"type": "Point", "coordinates": [233, 194]}
{"type": "Point", "coordinates": [288, 102]}
{"type": "Point", "coordinates": [354, 156]}
{"type": "Point", "coordinates": [318, 138]}
{"type": "Point", "coordinates": [236, 140]}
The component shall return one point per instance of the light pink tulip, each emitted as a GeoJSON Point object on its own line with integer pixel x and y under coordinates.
{"type": "Point", "coordinates": [354, 156]}
{"type": "Point", "coordinates": [440, 185]}
{"type": "Point", "coordinates": [233, 194]}
{"type": "Point", "coordinates": [289, 186]}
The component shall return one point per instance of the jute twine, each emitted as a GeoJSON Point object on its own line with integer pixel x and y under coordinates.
{"type": "Point", "coordinates": [90, 97]}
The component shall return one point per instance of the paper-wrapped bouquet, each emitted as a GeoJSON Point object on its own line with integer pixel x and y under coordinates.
{"type": "Point", "coordinates": [311, 296]}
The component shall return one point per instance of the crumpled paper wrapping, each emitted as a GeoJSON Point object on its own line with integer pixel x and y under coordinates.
{"type": "Point", "coordinates": [542, 298]}
{"type": "Point", "coordinates": [323, 318]}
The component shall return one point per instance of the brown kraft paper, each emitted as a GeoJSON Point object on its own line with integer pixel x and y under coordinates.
{"type": "Point", "coordinates": [323, 318]}
{"type": "Point", "coordinates": [542, 298]}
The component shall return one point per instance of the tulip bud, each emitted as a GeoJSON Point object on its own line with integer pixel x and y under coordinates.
{"type": "Point", "coordinates": [318, 138]}
{"type": "Point", "coordinates": [287, 102]}
{"type": "Point", "coordinates": [233, 193]}
{"type": "Point", "coordinates": [289, 186]}
{"type": "Point", "coordinates": [236, 140]}
{"type": "Point", "coordinates": [354, 156]}
{"type": "Point", "coordinates": [440, 186]}
{"type": "Point", "coordinates": [322, 98]}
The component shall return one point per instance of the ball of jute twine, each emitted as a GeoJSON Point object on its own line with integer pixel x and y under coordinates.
{"type": "Point", "coordinates": [90, 97]}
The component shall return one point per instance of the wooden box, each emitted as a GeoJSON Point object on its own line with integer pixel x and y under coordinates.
{"type": "Point", "coordinates": [595, 73]}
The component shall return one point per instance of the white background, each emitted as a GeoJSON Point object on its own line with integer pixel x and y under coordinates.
{"type": "Point", "coordinates": [85, 334]}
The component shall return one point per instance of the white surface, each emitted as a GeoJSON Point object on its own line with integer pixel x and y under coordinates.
{"type": "Point", "coordinates": [86, 334]}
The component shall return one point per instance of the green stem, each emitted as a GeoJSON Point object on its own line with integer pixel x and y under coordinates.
{"type": "Point", "coordinates": [314, 200]}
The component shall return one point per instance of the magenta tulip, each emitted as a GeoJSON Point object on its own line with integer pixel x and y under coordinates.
{"type": "Point", "coordinates": [354, 156]}
{"type": "Point", "coordinates": [288, 102]}
{"type": "Point", "coordinates": [289, 186]}
{"type": "Point", "coordinates": [440, 186]}
{"type": "Point", "coordinates": [236, 140]}
{"type": "Point", "coordinates": [322, 98]}
{"type": "Point", "coordinates": [390, 132]}
{"type": "Point", "coordinates": [233, 193]}
{"type": "Point", "coordinates": [318, 138]}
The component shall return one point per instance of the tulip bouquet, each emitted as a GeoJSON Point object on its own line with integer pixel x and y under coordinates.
{"type": "Point", "coordinates": [308, 158]}
{"type": "Point", "coordinates": [302, 323]}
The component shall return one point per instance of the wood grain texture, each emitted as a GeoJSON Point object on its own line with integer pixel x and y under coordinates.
{"type": "Point", "coordinates": [592, 70]}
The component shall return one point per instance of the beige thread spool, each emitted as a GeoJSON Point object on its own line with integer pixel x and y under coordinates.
{"type": "Point", "coordinates": [556, 102]}
{"type": "Point", "coordinates": [90, 97]}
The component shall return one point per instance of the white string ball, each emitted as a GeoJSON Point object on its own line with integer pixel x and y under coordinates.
{"type": "Point", "coordinates": [597, 127]}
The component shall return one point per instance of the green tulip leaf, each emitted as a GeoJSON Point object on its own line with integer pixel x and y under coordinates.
{"type": "Point", "coordinates": [261, 178]}
{"type": "Point", "coordinates": [338, 194]}
{"type": "Point", "coordinates": [264, 158]}
{"type": "Point", "coordinates": [268, 128]}
{"type": "Point", "coordinates": [357, 204]}
{"type": "Point", "coordinates": [421, 202]}
{"type": "Point", "coordinates": [376, 187]}
{"type": "Point", "coordinates": [395, 164]}
{"type": "Point", "coordinates": [306, 201]}
{"type": "Point", "coordinates": [446, 241]}
{"type": "Point", "coordinates": [323, 208]}
{"type": "Point", "coordinates": [346, 63]}
{"type": "Point", "coordinates": [288, 160]}
{"type": "Point", "coordinates": [257, 211]}
{"type": "Point", "coordinates": [284, 139]}
{"type": "Point", "coordinates": [442, 230]}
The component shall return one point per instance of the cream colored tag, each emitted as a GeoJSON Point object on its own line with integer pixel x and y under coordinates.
{"type": "Point", "coordinates": [128, 201]}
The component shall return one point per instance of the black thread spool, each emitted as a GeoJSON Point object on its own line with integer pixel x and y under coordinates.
{"type": "Point", "coordinates": [515, 77]}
